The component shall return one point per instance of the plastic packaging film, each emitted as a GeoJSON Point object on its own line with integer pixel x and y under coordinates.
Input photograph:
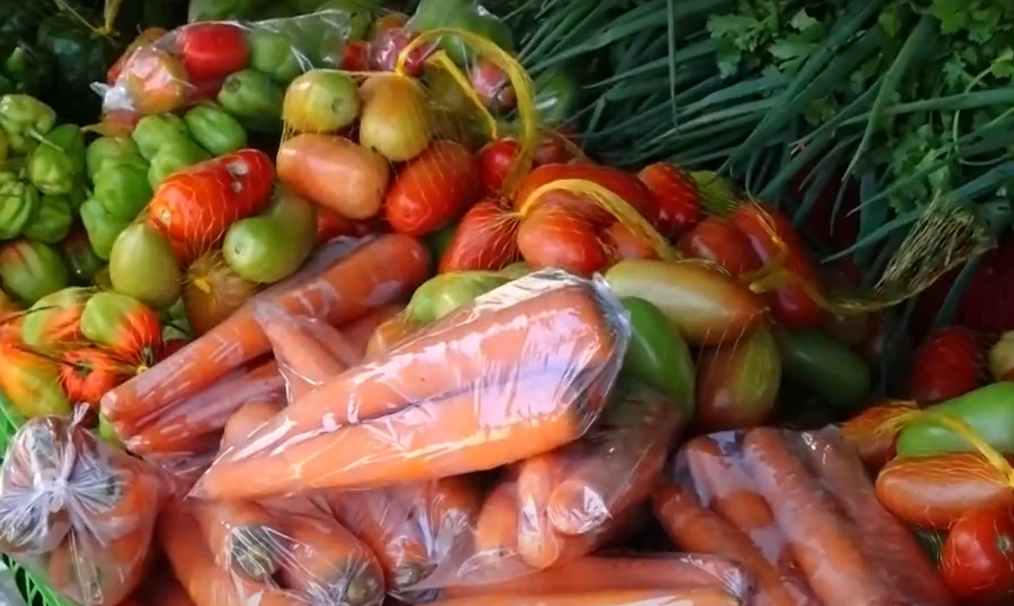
{"type": "Point", "coordinates": [167, 73]}
{"type": "Point", "coordinates": [454, 399]}
{"type": "Point", "coordinates": [174, 413]}
{"type": "Point", "coordinates": [797, 510]}
{"type": "Point", "coordinates": [77, 511]}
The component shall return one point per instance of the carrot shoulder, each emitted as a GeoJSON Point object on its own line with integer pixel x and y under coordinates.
{"type": "Point", "coordinates": [381, 271]}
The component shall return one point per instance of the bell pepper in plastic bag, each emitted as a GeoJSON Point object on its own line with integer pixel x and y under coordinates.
{"type": "Point", "coordinates": [77, 512]}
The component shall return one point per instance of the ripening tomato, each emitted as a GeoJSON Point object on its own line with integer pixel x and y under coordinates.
{"type": "Point", "coordinates": [948, 364]}
{"type": "Point", "coordinates": [145, 38]}
{"type": "Point", "coordinates": [155, 82]}
{"type": "Point", "coordinates": [624, 185]}
{"type": "Point", "coordinates": [88, 373]}
{"type": "Point", "coordinates": [388, 45]}
{"type": "Point", "coordinates": [555, 146]}
{"type": "Point", "coordinates": [432, 189]}
{"type": "Point", "coordinates": [771, 235]}
{"type": "Point", "coordinates": [551, 236]}
{"type": "Point", "coordinates": [495, 160]}
{"type": "Point", "coordinates": [492, 86]}
{"type": "Point", "coordinates": [977, 559]}
{"type": "Point", "coordinates": [717, 240]}
{"type": "Point", "coordinates": [677, 199]}
{"type": "Point", "coordinates": [355, 56]}
{"type": "Point", "coordinates": [211, 51]}
{"type": "Point", "coordinates": [622, 243]}
{"type": "Point", "coordinates": [484, 239]}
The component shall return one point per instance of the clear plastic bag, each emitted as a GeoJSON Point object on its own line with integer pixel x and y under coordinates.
{"type": "Point", "coordinates": [524, 369]}
{"type": "Point", "coordinates": [243, 65]}
{"type": "Point", "coordinates": [797, 510]}
{"type": "Point", "coordinates": [77, 511]}
{"type": "Point", "coordinates": [344, 281]}
{"type": "Point", "coordinates": [232, 553]}
{"type": "Point", "coordinates": [9, 593]}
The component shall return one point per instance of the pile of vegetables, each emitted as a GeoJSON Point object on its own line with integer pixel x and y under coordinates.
{"type": "Point", "coordinates": [405, 319]}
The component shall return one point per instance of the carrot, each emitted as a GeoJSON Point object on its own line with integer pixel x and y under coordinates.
{"type": "Point", "coordinates": [496, 529]}
{"type": "Point", "coordinates": [380, 271]}
{"type": "Point", "coordinates": [359, 332]}
{"type": "Point", "coordinates": [622, 466]}
{"type": "Point", "coordinates": [207, 413]}
{"type": "Point", "coordinates": [889, 544]}
{"type": "Point", "coordinates": [538, 543]}
{"type": "Point", "coordinates": [824, 542]}
{"type": "Point", "coordinates": [731, 493]}
{"type": "Point", "coordinates": [638, 597]}
{"type": "Point", "coordinates": [99, 573]}
{"type": "Point", "coordinates": [561, 323]}
{"type": "Point", "coordinates": [242, 537]}
{"type": "Point", "coordinates": [595, 574]}
{"type": "Point", "coordinates": [329, 565]}
{"type": "Point", "coordinates": [247, 419]}
{"type": "Point", "coordinates": [194, 566]}
{"type": "Point", "coordinates": [391, 333]}
{"type": "Point", "coordinates": [166, 592]}
{"type": "Point", "coordinates": [308, 355]}
{"type": "Point", "coordinates": [697, 529]}
{"type": "Point", "coordinates": [475, 430]}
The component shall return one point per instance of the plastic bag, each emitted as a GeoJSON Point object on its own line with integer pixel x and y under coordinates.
{"type": "Point", "coordinates": [797, 510]}
{"type": "Point", "coordinates": [9, 593]}
{"type": "Point", "coordinates": [242, 65]}
{"type": "Point", "coordinates": [524, 369]}
{"type": "Point", "coordinates": [232, 553]}
{"type": "Point", "coordinates": [77, 510]}
{"type": "Point", "coordinates": [367, 273]}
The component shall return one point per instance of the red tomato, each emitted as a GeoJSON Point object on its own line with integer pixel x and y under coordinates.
{"type": "Point", "coordinates": [624, 185]}
{"type": "Point", "coordinates": [211, 51]}
{"type": "Point", "coordinates": [356, 56]}
{"type": "Point", "coordinates": [384, 51]}
{"type": "Point", "coordinates": [89, 373]}
{"type": "Point", "coordinates": [492, 86]}
{"type": "Point", "coordinates": [948, 364]}
{"type": "Point", "coordinates": [771, 234]}
{"type": "Point", "coordinates": [677, 199]}
{"type": "Point", "coordinates": [432, 189]}
{"type": "Point", "coordinates": [194, 207]}
{"type": "Point", "coordinates": [555, 147]}
{"type": "Point", "coordinates": [716, 239]}
{"type": "Point", "coordinates": [485, 239]}
{"type": "Point", "coordinates": [551, 236]}
{"type": "Point", "coordinates": [495, 161]}
{"type": "Point", "coordinates": [977, 559]}
{"type": "Point", "coordinates": [331, 224]}
{"type": "Point", "coordinates": [622, 243]}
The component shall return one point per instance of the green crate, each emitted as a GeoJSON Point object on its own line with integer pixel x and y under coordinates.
{"type": "Point", "coordinates": [35, 592]}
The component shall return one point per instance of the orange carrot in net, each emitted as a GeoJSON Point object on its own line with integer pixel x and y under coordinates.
{"type": "Point", "coordinates": [383, 270]}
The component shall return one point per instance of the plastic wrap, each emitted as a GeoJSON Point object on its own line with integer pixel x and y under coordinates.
{"type": "Point", "coordinates": [524, 369]}
{"type": "Point", "coordinates": [797, 510]}
{"type": "Point", "coordinates": [237, 552]}
{"type": "Point", "coordinates": [9, 593]}
{"type": "Point", "coordinates": [179, 407]}
{"type": "Point", "coordinates": [76, 511]}
{"type": "Point", "coordinates": [248, 62]}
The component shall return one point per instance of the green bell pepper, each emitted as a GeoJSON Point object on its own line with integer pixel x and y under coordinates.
{"type": "Point", "coordinates": [102, 228]}
{"type": "Point", "coordinates": [19, 201]}
{"type": "Point", "coordinates": [26, 120]}
{"type": "Point", "coordinates": [154, 132]}
{"type": "Point", "coordinates": [215, 130]}
{"type": "Point", "coordinates": [59, 164]}
{"type": "Point", "coordinates": [4, 147]}
{"type": "Point", "coordinates": [987, 411]}
{"type": "Point", "coordinates": [32, 72]}
{"type": "Point", "coordinates": [173, 157]}
{"type": "Point", "coordinates": [466, 15]}
{"type": "Point", "coordinates": [272, 53]}
{"type": "Point", "coordinates": [254, 98]}
{"type": "Point", "coordinates": [51, 221]}
{"type": "Point", "coordinates": [657, 354]}
{"type": "Point", "coordinates": [110, 149]}
{"type": "Point", "coordinates": [31, 270]}
{"type": "Point", "coordinates": [123, 188]}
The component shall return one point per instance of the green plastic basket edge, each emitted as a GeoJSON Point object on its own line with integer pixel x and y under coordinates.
{"type": "Point", "coordinates": [35, 592]}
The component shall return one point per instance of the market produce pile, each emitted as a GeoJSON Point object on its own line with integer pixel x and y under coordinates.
{"type": "Point", "coordinates": [332, 308]}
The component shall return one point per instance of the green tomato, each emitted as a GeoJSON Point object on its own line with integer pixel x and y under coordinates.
{"type": "Point", "coordinates": [122, 188]}
{"type": "Point", "coordinates": [442, 294]}
{"type": "Point", "coordinates": [273, 245]}
{"type": "Point", "coordinates": [987, 411]}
